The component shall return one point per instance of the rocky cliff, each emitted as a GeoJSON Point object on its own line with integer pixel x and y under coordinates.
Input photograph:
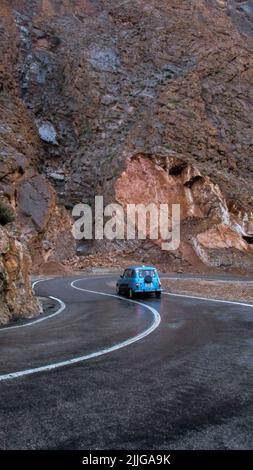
{"type": "Point", "coordinates": [23, 187]}
{"type": "Point", "coordinates": [134, 100]}
{"type": "Point", "coordinates": [16, 296]}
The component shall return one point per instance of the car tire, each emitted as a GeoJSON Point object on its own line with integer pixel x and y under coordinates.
{"type": "Point", "coordinates": [118, 291]}
{"type": "Point", "coordinates": [148, 279]}
{"type": "Point", "coordinates": [130, 293]}
{"type": "Point", "coordinates": [158, 295]}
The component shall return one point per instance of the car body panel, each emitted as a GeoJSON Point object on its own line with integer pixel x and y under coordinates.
{"type": "Point", "coordinates": [140, 279]}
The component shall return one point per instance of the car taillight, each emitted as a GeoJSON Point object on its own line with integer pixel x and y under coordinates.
{"type": "Point", "coordinates": [137, 284]}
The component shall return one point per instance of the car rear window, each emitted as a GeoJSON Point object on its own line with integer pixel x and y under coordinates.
{"type": "Point", "coordinates": [147, 272]}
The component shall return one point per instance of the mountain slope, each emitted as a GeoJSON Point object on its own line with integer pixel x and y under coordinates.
{"type": "Point", "coordinates": [117, 96]}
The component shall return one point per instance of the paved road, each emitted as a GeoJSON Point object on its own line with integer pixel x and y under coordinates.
{"type": "Point", "coordinates": [209, 277]}
{"type": "Point", "coordinates": [188, 384]}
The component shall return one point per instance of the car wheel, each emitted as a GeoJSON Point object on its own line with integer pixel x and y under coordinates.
{"type": "Point", "coordinates": [130, 293]}
{"type": "Point", "coordinates": [158, 295]}
{"type": "Point", "coordinates": [118, 291]}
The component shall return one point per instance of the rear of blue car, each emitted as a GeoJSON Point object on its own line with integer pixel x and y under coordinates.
{"type": "Point", "coordinates": [139, 280]}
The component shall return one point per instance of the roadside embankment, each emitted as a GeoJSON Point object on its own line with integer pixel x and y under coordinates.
{"type": "Point", "coordinates": [225, 290]}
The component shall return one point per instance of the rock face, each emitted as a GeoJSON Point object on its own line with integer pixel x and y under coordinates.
{"type": "Point", "coordinates": [209, 228]}
{"type": "Point", "coordinates": [132, 100]}
{"type": "Point", "coordinates": [23, 186]}
{"type": "Point", "coordinates": [24, 191]}
{"type": "Point", "coordinates": [16, 297]}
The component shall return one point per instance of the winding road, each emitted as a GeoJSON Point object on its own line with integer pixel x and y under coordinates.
{"type": "Point", "coordinates": [104, 372]}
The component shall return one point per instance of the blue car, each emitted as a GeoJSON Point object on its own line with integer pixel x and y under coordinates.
{"type": "Point", "coordinates": [137, 280]}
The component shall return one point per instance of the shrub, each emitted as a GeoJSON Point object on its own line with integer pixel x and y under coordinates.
{"type": "Point", "coordinates": [7, 214]}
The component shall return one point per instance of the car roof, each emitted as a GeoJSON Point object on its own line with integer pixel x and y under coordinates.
{"type": "Point", "coordinates": [141, 267]}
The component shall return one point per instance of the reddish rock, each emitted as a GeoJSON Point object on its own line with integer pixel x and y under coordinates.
{"type": "Point", "coordinates": [16, 296]}
{"type": "Point", "coordinates": [222, 236]}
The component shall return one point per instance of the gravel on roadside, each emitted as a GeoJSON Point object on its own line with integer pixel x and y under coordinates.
{"type": "Point", "coordinates": [226, 290]}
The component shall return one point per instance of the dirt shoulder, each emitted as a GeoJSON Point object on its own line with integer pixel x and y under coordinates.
{"type": "Point", "coordinates": [224, 290]}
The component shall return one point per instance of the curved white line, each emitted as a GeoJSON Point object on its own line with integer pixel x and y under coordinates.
{"type": "Point", "coordinates": [101, 352]}
{"type": "Point", "coordinates": [209, 279]}
{"type": "Point", "coordinates": [155, 324]}
{"type": "Point", "coordinates": [232, 302]}
{"type": "Point", "coordinates": [39, 320]}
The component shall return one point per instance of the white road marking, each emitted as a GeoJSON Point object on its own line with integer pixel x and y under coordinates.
{"type": "Point", "coordinates": [39, 320]}
{"type": "Point", "coordinates": [209, 299]}
{"type": "Point", "coordinates": [154, 325]}
{"type": "Point", "coordinates": [211, 279]}
{"type": "Point", "coordinates": [101, 352]}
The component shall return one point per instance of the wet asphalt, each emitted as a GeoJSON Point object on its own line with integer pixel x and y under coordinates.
{"type": "Point", "coordinates": [188, 385]}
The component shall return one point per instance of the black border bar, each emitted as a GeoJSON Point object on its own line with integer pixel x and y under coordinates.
{"type": "Point", "coordinates": [124, 459]}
